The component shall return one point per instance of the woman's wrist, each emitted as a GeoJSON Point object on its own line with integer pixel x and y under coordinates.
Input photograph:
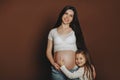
{"type": "Point", "coordinates": [53, 63]}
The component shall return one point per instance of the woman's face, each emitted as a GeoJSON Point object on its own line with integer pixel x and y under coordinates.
{"type": "Point", "coordinates": [80, 59]}
{"type": "Point", "coordinates": [68, 16]}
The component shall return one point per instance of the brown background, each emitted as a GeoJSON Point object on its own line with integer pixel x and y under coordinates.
{"type": "Point", "coordinates": [24, 25]}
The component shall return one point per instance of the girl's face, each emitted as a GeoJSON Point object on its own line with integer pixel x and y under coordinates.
{"type": "Point", "coordinates": [68, 16]}
{"type": "Point", "coordinates": [80, 59]}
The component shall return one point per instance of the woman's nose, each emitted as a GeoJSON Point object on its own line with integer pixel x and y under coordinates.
{"type": "Point", "coordinates": [67, 16]}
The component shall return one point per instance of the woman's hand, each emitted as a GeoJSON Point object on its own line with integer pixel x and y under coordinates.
{"type": "Point", "coordinates": [56, 66]}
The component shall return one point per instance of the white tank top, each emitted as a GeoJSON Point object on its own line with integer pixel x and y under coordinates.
{"type": "Point", "coordinates": [67, 42]}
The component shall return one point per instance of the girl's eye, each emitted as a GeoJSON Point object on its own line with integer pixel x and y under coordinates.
{"type": "Point", "coordinates": [80, 58]}
{"type": "Point", "coordinates": [76, 58]}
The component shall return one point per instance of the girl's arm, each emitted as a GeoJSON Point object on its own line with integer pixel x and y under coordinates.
{"type": "Point", "coordinates": [75, 74]}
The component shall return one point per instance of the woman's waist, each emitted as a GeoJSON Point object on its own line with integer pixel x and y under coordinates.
{"type": "Point", "coordinates": [64, 52]}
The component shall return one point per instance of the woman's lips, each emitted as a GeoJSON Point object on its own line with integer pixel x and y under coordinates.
{"type": "Point", "coordinates": [66, 20]}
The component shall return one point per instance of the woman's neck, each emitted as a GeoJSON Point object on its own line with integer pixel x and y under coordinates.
{"type": "Point", "coordinates": [65, 26]}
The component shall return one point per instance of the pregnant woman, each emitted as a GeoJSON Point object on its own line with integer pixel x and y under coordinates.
{"type": "Point", "coordinates": [63, 41]}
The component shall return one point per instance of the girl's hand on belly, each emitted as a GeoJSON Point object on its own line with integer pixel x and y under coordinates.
{"type": "Point", "coordinates": [61, 61]}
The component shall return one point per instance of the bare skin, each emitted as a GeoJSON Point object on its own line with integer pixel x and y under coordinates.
{"type": "Point", "coordinates": [67, 56]}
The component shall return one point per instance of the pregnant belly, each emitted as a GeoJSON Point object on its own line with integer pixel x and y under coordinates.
{"type": "Point", "coordinates": [67, 56]}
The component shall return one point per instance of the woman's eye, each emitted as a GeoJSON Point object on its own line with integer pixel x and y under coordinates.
{"type": "Point", "coordinates": [66, 13]}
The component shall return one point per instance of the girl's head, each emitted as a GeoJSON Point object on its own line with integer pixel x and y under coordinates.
{"type": "Point", "coordinates": [82, 58]}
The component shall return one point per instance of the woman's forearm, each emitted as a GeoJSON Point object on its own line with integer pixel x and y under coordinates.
{"type": "Point", "coordinates": [50, 57]}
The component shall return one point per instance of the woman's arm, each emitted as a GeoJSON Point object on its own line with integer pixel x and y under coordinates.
{"type": "Point", "coordinates": [49, 54]}
{"type": "Point", "coordinates": [75, 74]}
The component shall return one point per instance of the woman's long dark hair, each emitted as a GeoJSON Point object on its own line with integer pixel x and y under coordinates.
{"type": "Point", "coordinates": [75, 27]}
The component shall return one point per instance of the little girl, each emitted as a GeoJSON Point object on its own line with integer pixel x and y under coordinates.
{"type": "Point", "coordinates": [86, 71]}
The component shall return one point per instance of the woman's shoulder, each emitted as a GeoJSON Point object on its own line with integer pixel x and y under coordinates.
{"type": "Point", "coordinates": [53, 30]}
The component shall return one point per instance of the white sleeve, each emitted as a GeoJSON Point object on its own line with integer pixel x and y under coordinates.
{"type": "Point", "coordinates": [72, 75]}
{"type": "Point", "coordinates": [50, 35]}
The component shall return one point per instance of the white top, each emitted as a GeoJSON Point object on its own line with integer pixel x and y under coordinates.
{"type": "Point", "coordinates": [76, 74]}
{"type": "Point", "coordinates": [67, 42]}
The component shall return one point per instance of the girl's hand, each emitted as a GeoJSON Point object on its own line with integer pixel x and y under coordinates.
{"type": "Point", "coordinates": [61, 61]}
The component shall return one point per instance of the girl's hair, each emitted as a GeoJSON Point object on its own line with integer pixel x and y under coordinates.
{"type": "Point", "coordinates": [74, 25]}
{"type": "Point", "coordinates": [88, 67]}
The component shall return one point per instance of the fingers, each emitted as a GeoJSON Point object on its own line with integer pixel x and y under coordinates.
{"type": "Point", "coordinates": [61, 61]}
{"type": "Point", "coordinates": [60, 58]}
{"type": "Point", "coordinates": [56, 66]}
